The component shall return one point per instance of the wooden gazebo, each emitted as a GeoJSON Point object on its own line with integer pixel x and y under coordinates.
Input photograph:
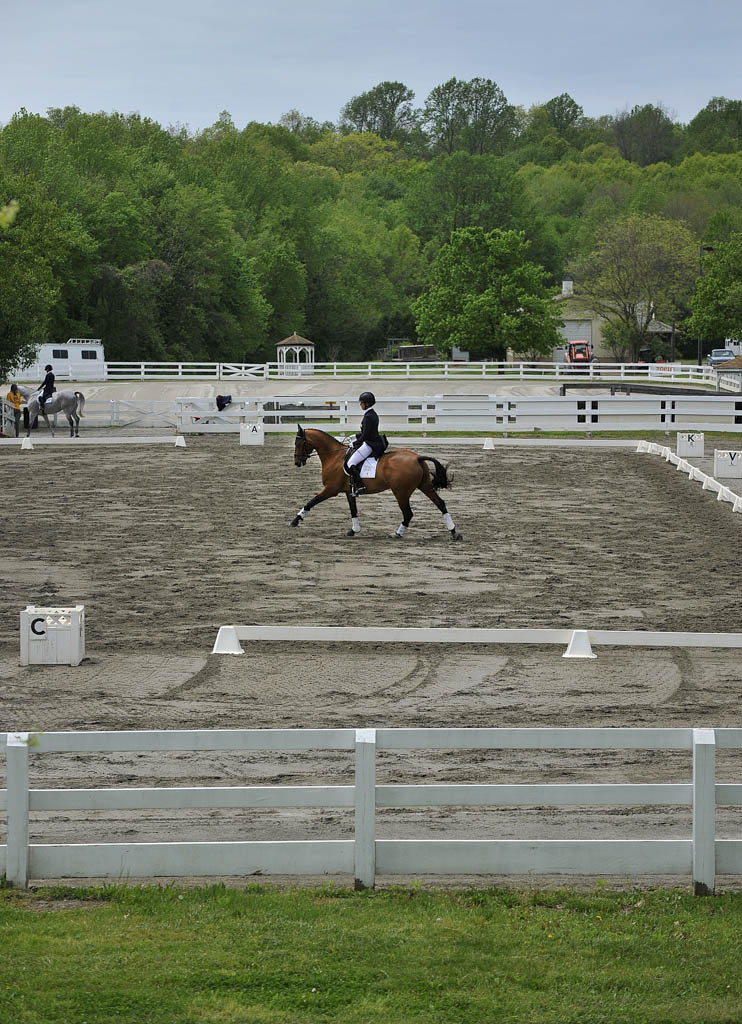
{"type": "Point", "coordinates": [295, 354]}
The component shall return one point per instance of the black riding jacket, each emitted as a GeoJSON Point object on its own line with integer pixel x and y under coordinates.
{"type": "Point", "coordinates": [48, 384]}
{"type": "Point", "coordinates": [370, 433]}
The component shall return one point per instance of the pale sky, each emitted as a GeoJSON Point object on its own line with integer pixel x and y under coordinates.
{"type": "Point", "coordinates": [182, 61]}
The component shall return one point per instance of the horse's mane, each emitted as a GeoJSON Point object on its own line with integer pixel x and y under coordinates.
{"type": "Point", "coordinates": [324, 433]}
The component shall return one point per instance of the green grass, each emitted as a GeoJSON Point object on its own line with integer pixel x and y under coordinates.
{"type": "Point", "coordinates": [260, 954]}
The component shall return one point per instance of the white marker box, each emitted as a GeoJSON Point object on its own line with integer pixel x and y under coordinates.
{"type": "Point", "coordinates": [252, 433]}
{"type": "Point", "coordinates": [728, 464]}
{"type": "Point", "coordinates": [52, 636]}
{"type": "Point", "coordinates": [689, 446]}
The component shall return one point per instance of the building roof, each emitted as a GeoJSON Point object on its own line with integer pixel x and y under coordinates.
{"type": "Point", "coordinates": [657, 327]}
{"type": "Point", "coordinates": [730, 364]}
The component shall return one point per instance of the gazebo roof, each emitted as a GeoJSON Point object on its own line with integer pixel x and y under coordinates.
{"type": "Point", "coordinates": [295, 339]}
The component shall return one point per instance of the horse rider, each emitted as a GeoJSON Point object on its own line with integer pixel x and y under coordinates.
{"type": "Point", "coordinates": [47, 385]}
{"type": "Point", "coordinates": [368, 442]}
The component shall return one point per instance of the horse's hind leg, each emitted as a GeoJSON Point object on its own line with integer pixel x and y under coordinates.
{"type": "Point", "coordinates": [403, 500]}
{"type": "Point", "coordinates": [430, 492]}
{"type": "Point", "coordinates": [72, 425]}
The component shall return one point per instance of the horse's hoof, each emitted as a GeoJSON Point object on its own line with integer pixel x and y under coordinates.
{"type": "Point", "coordinates": [397, 536]}
{"type": "Point", "coordinates": [457, 536]}
{"type": "Point", "coordinates": [350, 534]}
{"type": "Point", "coordinates": [295, 522]}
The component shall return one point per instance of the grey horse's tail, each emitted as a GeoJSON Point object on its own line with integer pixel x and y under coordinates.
{"type": "Point", "coordinates": [80, 402]}
{"type": "Point", "coordinates": [441, 478]}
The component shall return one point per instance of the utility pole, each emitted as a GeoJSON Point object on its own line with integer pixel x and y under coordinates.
{"type": "Point", "coordinates": [701, 250]}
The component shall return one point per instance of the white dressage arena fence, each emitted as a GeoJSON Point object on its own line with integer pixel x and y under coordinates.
{"type": "Point", "coordinates": [579, 641]}
{"type": "Point", "coordinates": [700, 855]}
{"type": "Point", "coordinates": [44, 439]}
{"type": "Point", "coordinates": [709, 483]}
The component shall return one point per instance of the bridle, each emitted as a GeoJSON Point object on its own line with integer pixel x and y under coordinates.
{"type": "Point", "coordinates": [305, 452]}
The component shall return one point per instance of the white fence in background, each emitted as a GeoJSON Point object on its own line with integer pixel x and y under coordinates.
{"type": "Point", "coordinates": [669, 372]}
{"type": "Point", "coordinates": [700, 855]}
{"type": "Point", "coordinates": [471, 413]}
{"type": "Point", "coordinates": [426, 413]}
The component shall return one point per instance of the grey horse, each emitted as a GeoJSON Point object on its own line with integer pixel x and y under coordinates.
{"type": "Point", "coordinates": [70, 403]}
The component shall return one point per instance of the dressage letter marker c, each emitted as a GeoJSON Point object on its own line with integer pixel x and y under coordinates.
{"type": "Point", "coordinates": [40, 633]}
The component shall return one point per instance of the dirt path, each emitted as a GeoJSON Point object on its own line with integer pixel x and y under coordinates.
{"type": "Point", "coordinates": [163, 546]}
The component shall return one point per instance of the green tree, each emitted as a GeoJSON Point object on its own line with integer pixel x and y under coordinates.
{"type": "Point", "coordinates": [27, 293]}
{"type": "Point", "coordinates": [566, 116]}
{"type": "Point", "coordinates": [641, 267]}
{"type": "Point", "coordinates": [474, 116]}
{"type": "Point", "coordinates": [463, 191]}
{"type": "Point", "coordinates": [716, 305]}
{"type": "Point", "coordinates": [715, 129]}
{"type": "Point", "coordinates": [213, 307]}
{"type": "Point", "coordinates": [646, 135]}
{"type": "Point", "coordinates": [386, 110]}
{"type": "Point", "coordinates": [486, 296]}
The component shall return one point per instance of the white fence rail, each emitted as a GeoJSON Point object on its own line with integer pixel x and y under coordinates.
{"type": "Point", "coordinates": [471, 413]}
{"type": "Point", "coordinates": [427, 413]}
{"type": "Point", "coordinates": [701, 855]}
{"type": "Point", "coordinates": [675, 372]}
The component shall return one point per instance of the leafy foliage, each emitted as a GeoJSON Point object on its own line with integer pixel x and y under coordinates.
{"type": "Point", "coordinates": [170, 245]}
{"type": "Point", "coordinates": [639, 268]}
{"type": "Point", "coordinates": [486, 296]}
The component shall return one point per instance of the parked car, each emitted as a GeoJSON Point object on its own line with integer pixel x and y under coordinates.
{"type": "Point", "coordinates": [719, 355]}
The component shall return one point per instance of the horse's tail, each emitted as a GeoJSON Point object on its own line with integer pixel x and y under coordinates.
{"type": "Point", "coordinates": [80, 402]}
{"type": "Point", "coordinates": [441, 478]}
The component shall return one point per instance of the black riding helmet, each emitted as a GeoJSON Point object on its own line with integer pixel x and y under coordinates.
{"type": "Point", "coordinates": [367, 398]}
{"type": "Point", "coordinates": [47, 367]}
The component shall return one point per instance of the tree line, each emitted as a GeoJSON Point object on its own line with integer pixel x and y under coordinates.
{"type": "Point", "coordinates": [449, 223]}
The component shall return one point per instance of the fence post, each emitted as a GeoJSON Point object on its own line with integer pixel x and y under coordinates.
{"type": "Point", "coordinates": [16, 861]}
{"type": "Point", "coordinates": [704, 811]}
{"type": "Point", "coordinates": [365, 806]}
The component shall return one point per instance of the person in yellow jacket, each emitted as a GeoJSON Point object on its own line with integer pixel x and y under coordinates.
{"type": "Point", "coordinates": [14, 399]}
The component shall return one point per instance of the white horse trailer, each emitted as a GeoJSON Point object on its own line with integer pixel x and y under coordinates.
{"type": "Point", "coordinates": [75, 359]}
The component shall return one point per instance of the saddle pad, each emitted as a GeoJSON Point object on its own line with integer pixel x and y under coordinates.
{"type": "Point", "coordinates": [368, 469]}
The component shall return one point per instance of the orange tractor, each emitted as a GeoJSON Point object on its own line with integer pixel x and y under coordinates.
{"type": "Point", "coordinates": [578, 353]}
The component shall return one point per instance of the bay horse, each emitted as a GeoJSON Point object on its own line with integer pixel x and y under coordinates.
{"type": "Point", "coordinates": [70, 403]}
{"type": "Point", "coordinates": [402, 471]}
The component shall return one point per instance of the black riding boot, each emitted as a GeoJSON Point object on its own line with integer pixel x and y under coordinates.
{"type": "Point", "coordinates": [356, 484]}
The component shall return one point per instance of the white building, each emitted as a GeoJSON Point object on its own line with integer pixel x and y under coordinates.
{"type": "Point", "coordinates": [75, 359]}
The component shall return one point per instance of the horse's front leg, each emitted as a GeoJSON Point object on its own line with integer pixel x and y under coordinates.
{"type": "Point", "coordinates": [355, 522]}
{"type": "Point", "coordinates": [324, 494]}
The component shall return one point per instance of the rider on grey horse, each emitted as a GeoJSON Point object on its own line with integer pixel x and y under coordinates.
{"type": "Point", "coordinates": [47, 387]}
{"type": "Point", "coordinates": [368, 442]}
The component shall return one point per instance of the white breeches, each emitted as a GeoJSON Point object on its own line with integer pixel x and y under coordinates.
{"type": "Point", "coordinates": [359, 454]}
